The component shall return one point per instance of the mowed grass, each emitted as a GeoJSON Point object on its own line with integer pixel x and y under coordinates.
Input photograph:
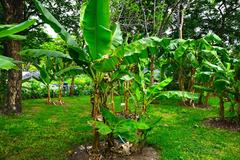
{"type": "Point", "coordinates": [50, 132]}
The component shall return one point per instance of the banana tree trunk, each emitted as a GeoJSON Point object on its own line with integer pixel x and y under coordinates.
{"type": "Point", "coordinates": [181, 80]}
{"type": "Point", "coordinates": [49, 94]}
{"type": "Point", "coordinates": [71, 93]}
{"type": "Point", "coordinates": [221, 109]}
{"type": "Point", "coordinates": [126, 98]}
{"type": "Point", "coordinates": [112, 101]}
{"type": "Point", "coordinates": [207, 99]}
{"type": "Point", "coordinates": [96, 100]}
{"type": "Point", "coordinates": [60, 91]}
{"type": "Point", "coordinates": [152, 59]}
{"type": "Point", "coordinates": [191, 86]}
{"type": "Point", "coordinates": [200, 99]}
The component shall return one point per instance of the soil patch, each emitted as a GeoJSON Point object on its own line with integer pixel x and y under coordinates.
{"type": "Point", "coordinates": [82, 153]}
{"type": "Point", "coordinates": [229, 124]}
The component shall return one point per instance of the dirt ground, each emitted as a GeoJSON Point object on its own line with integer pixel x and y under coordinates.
{"type": "Point", "coordinates": [148, 153]}
{"type": "Point", "coordinates": [229, 124]}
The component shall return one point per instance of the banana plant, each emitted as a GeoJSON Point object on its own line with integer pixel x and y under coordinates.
{"type": "Point", "coordinates": [224, 83]}
{"type": "Point", "coordinates": [149, 92]}
{"type": "Point", "coordinates": [104, 52]}
{"type": "Point", "coordinates": [190, 54]}
{"type": "Point", "coordinates": [50, 67]}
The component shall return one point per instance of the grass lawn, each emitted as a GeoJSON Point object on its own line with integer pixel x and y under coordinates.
{"type": "Point", "coordinates": [50, 132]}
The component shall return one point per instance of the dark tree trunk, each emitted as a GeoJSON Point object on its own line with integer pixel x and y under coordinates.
{"type": "Point", "coordinates": [200, 98]}
{"type": "Point", "coordinates": [207, 98]}
{"type": "Point", "coordinates": [3, 87]}
{"type": "Point", "coordinates": [221, 109]}
{"type": "Point", "coordinates": [13, 10]}
{"type": "Point", "coordinates": [71, 93]}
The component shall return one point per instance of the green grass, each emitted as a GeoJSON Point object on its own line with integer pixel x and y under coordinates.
{"type": "Point", "coordinates": [49, 132]}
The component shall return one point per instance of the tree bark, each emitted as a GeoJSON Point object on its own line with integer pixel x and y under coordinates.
{"type": "Point", "coordinates": [221, 109]}
{"type": "Point", "coordinates": [126, 98]}
{"type": "Point", "coordinates": [181, 20]}
{"type": "Point", "coordinates": [200, 98]}
{"type": "Point", "coordinates": [71, 93]}
{"type": "Point", "coordinates": [181, 80]}
{"type": "Point", "coordinates": [13, 10]}
{"type": "Point", "coordinates": [49, 94]}
{"type": "Point", "coordinates": [60, 91]}
{"type": "Point", "coordinates": [96, 103]}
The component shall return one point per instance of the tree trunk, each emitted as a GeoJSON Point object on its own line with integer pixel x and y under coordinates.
{"type": "Point", "coordinates": [191, 86]}
{"type": "Point", "coordinates": [200, 99]}
{"type": "Point", "coordinates": [126, 98]}
{"type": "Point", "coordinates": [181, 20]}
{"type": "Point", "coordinates": [3, 87]}
{"type": "Point", "coordinates": [207, 98]}
{"type": "Point", "coordinates": [49, 94]}
{"type": "Point", "coordinates": [181, 79]}
{"type": "Point", "coordinates": [60, 91]}
{"type": "Point", "coordinates": [13, 10]}
{"type": "Point", "coordinates": [71, 93]}
{"type": "Point", "coordinates": [221, 109]}
{"type": "Point", "coordinates": [152, 59]}
{"type": "Point", "coordinates": [112, 101]}
{"type": "Point", "coordinates": [96, 100]}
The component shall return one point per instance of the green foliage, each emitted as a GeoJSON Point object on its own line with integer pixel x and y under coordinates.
{"type": "Point", "coordinates": [96, 27]}
{"type": "Point", "coordinates": [8, 31]}
{"type": "Point", "coordinates": [7, 63]}
{"type": "Point", "coordinates": [33, 89]}
{"type": "Point", "coordinates": [15, 29]}
{"type": "Point", "coordinates": [126, 127]}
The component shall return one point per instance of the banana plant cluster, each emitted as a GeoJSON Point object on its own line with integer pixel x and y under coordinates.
{"type": "Point", "coordinates": [105, 51]}
{"type": "Point", "coordinates": [52, 66]}
{"type": "Point", "coordinates": [188, 56]}
{"type": "Point", "coordinates": [221, 71]}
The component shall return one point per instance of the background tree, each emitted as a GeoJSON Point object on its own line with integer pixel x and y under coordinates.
{"type": "Point", "coordinates": [219, 16]}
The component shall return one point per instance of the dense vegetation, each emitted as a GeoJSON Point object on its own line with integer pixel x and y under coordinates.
{"type": "Point", "coordinates": [144, 52]}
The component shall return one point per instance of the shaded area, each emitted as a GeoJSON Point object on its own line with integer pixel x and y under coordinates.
{"type": "Point", "coordinates": [229, 124]}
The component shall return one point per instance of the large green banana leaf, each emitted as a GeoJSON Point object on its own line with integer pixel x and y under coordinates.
{"type": "Point", "coordinates": [96, 27]}
{"type": "Point", "coordinates": [8, 31]}
{"type": "Point", "coordinates": [57, 27]}
{"type": "Point", "coordinates": [17, 28]}
{"type": "Point", "coordinates": [79, 56]}
{"type": "Point", "coordinates": [36, 53]}
{"type": "Point", "coordinates": [7, 63]}
{"type": "Point", "coordinates": [135, 50]}
{"type": "Point", "coordinates": [117, 39]}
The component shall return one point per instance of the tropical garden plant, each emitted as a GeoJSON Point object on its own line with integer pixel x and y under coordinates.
{"type": "Point", "coordinates": [105, 51]}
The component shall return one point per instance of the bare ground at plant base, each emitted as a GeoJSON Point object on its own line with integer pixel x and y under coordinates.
{"type": "Point", "coordinates": [227, 123]}
{"type": "Point", "coordinates": [147, 153]}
